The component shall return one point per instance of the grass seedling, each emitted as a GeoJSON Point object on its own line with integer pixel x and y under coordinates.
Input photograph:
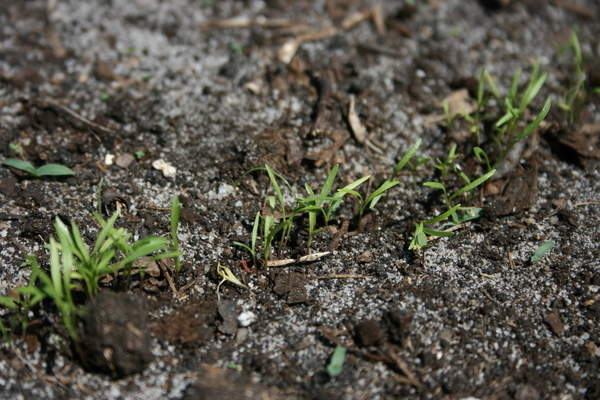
{"type": "Point", "coordinates": [469, 187]}
{"type": "Point", "coordinates": [526, 132]}
{"type": "Point", "coordinates": [45, 170]}
{"type": "Point", "coordinates": [336, 363]}
{"type": "Point", "coordinates": [420, 240]}
{"type": "Point", "coordinates": [575, 95]}
{"type": "Point", "coordinates": [175, 217]}
{"type": "Point", "coordinates": [445, 165]}
{"type": "Point", "coordinates": [541, 251]}
{"type": "Point", "coordinates": [112, 251]}
{"type": "Point", "coordinates": [252, 248]}
{"type": "Point", "coordinates": [74, 267]}
{"type": "Point", "coordinates": [516, 104]}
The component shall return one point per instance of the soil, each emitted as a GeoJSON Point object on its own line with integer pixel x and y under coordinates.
{"type": "Point", "coordinates": [470, 317]}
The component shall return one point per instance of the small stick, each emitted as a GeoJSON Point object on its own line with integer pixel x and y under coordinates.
{"type": "Point", "coordinates": [581, 11]}
{"type": "Point", "coordinates": [155, 208]}
{"type": "Point", "coordinates": [403, 366]}
{"type": "Point", "coordinates": [79, 117]}
{"type": "Point", "coordinates": [339, 276]}
{"type": "Point", "coordinates": [165, 271]}
{"type": "Point", "coordinates": [587, 203]}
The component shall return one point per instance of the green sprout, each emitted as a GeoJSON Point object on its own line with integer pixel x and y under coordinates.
{"type": "Point", "coordinates": [336, 363]}
{"type": "Point", "coordinates": [45, 170]}
{"type": "Point", "coordinates": [420, 240]}
{"type": "Point", "coordinates": [541, 251]}
{"type": "Point", "coordinates": [140, 154]}
{"type": "Point", "coordinates": [516, 104]}
{"type": "Point", "coordinates": [468, 188]}
{"type": "Point", "coordinates": [253, 239]}
{"type": "Point", "coordinates": [481, 155]}
{"type": "Point", "coordinates": [16, 148]}
{"type": "Point", "coordinates": [574, 98]}
{"type": "Point", "coordinates": [73, 266]}
{"type": "Point", "coordinates": [175, 217]}
{"type": "Point", "coordinates": [445, 165]}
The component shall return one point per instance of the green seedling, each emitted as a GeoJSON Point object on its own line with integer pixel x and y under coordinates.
{"type": "Point", "coordinates": [477, 118]}
{"type": "Point", "coordinates": [420, 240]}
{"type": "Point", "coordinates": [140, 154]}
{"type": "Point", "coordinates": [445, 165]}
{"type": "Point", "coordinates": [541, 251]}
{"type": "Point", "coordinates": [374, 198]}
{"type": "Point", "coordinates": [516, 104]}
{"type": "Point", "coordinates": [336, 363]}
{"type": "Point", "coordinates": [253, 239]}
{"type": "Point", "coordinates": [45, 170]}
{"type": "Point", "coordinates": [465, 214]}
{"type": "Point", "coordinates": [277, 220]}
{"type": "Point", "coordinates": [575, 96]}
{"type": "Point", "coordinates": [175, 217]}
{"type": "Point", "coordinates": [526, 132]}
{"type": "Point", "coordinates": [15, 148]}
{"type": "Point", "coordinates": [74, 267]}
{"type": "Point", "coordinates": [468, 188]}
{"type": "Point", "coordinates": [111, 253]}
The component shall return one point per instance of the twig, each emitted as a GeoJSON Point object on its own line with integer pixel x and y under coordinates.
{"type": "Point", "coordinates": [581, 11]}
{"type": "Point", "coordinates": [339, 276]}
{"type": "Point", "coordinates": [243, 22]}
{"type": "Point", "coordinates": [165, 271]}
{"type": "Point", "coordinates": [79, 117]}
{"type": "Point", "coordinates": [403, 366]}
{"type": "Point", "coordinates": [587, 203]}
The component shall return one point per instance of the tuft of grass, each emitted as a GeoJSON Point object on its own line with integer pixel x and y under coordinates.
{"type": "Point", "coordinates": [76, 267]}
{"type": "Point", "coordinates": [575, 96]}
{"type": "Point", "coordinates": [45, 170]}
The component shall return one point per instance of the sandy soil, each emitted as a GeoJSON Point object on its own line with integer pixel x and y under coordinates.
{"type": "Point", "coordinates": [471, 317]}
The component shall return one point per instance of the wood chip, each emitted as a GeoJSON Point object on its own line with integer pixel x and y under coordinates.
{"type": "Point", "coordinates": [358, 129]}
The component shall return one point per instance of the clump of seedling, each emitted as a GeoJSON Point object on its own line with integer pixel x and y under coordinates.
{"type": "Point", "coordinates": [45, 170]}
{"type": "Point", "coordinates": [457, 214]}
{"type": "Point", "coordinates": [277, 219]}
{"type": "Point", "coordinates": [504, 135]}
{"type": "Point", "coordinates": [75, 267]}
{"type": "Point", "coordinates": [574, 98]}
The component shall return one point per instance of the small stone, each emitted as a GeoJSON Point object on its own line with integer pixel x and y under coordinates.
{"type": "Point", "coordinates": [124, 160]}
{"type": "Point", "coordinates": [246, 318]}
{"type": "Point", "coordinates": [228, 313]}
{"type": "Point", "coordinates": [109, 159]}
{"type": "Point", "coordinates": [555, 323]}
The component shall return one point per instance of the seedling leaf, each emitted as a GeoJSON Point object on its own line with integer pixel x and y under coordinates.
{"type": "Point", "coordinates": [22, 165]}
{"type": "Point", "coordinates": [541, 251]}
{"type": "Point", "coordinates": [336, 363]}
{"type": "Point", "coordinates": [473, 184]}
{"type": "Point", "coordinates": [443, 216]}
{"type": "Point", "coordinates": [404, 160]}
{"type": "Point", "coordinates": [54, 170]}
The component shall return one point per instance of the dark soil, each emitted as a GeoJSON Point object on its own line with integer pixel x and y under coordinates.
{"type": "Point", "coordinates": [469, 318]}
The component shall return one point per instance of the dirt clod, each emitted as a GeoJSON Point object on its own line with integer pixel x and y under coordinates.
{"type": "Point", "coordinates": [116, 338]}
